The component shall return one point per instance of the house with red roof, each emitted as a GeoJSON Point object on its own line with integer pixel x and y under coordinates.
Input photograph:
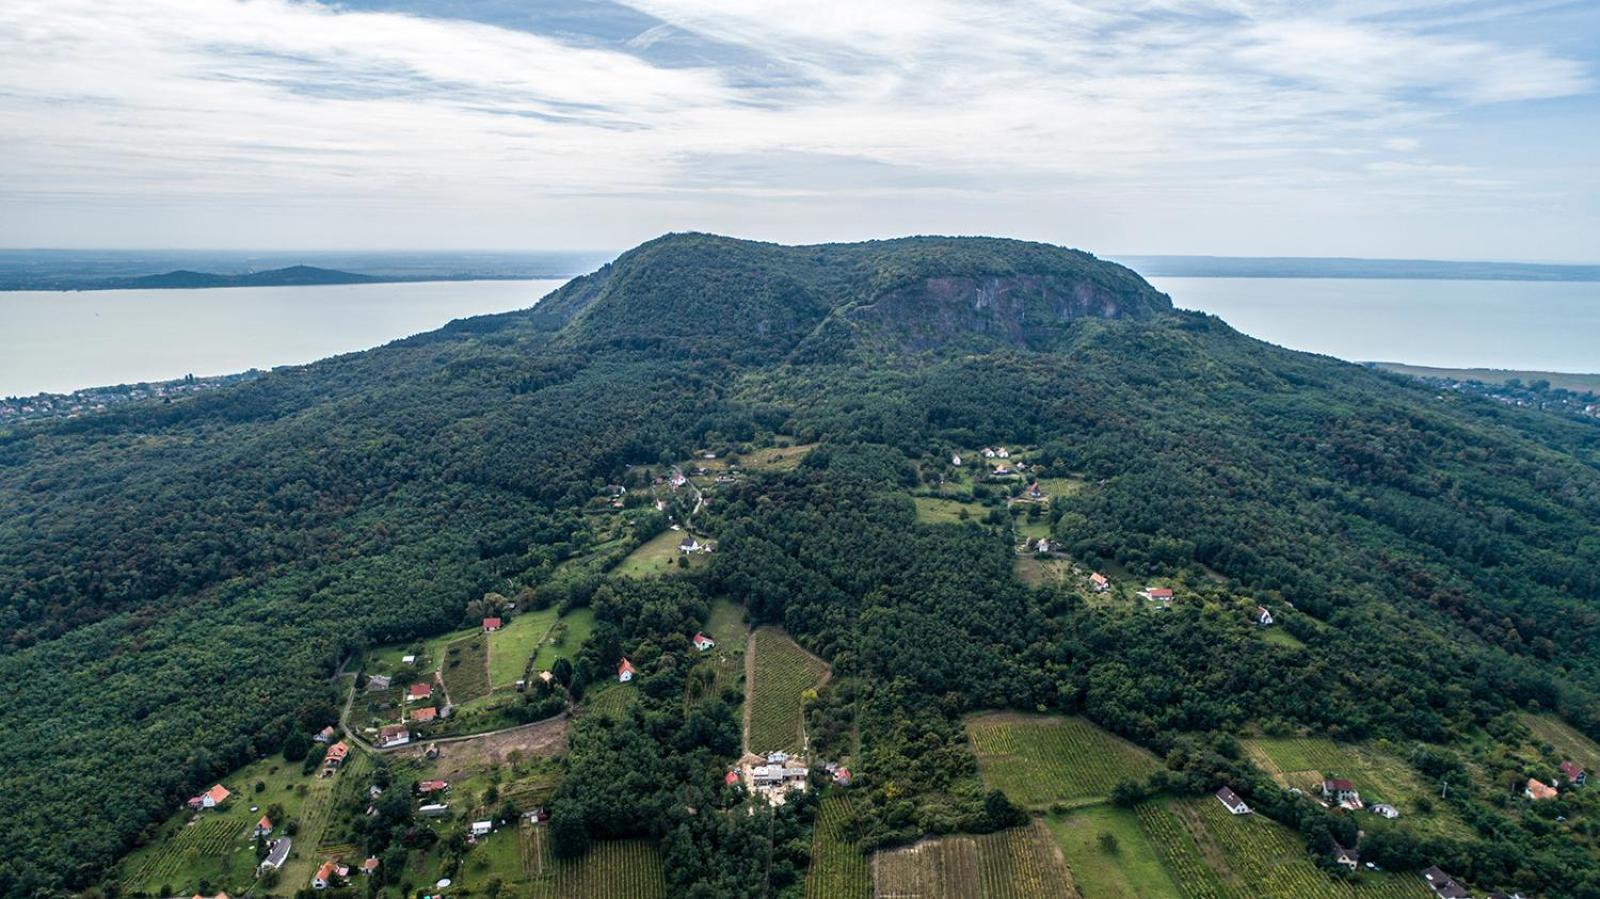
{"type": "Point", "coordinates": [419, 690]}
{"type": "Point", "coordinates": [1099, 583]}
{"type": "Point", "coordinates": [370, 865]}
{"type": "Point", "coordinates": [703, 643]}
{"type": "Point", "coordinates": [393, 735]}
{"type": "Point", "coordinates": [625, 671]}
{"type": "Point", "coordinates": [432, 786]}
{"type": "Point", "coordinates": [211, 798]}
{"type": "Point", "coordinates": [1341, 791]}
{"type": "Point", "coordinates": [1573, 774]}
{"type": "Point", "coordinates": [1538, 790]}
{"type": "Point", "coordinates": [424, 715]}
{"type": "Point", "coordinates": [731, 778]}
{"type": "Point", "coordinates": [264, 826]}
{"type": "Point", "coordinates": [336, 754]}
{"type": "Point", "coordinates": [491, 624]}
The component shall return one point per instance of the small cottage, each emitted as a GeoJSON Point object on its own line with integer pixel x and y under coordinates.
{"type": "Point", "coordinates": [1231, 801]}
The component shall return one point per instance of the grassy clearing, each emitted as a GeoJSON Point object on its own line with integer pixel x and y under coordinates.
{"type": "Point", "coordinates": [838, 868]}
{"type": "Point", "coordinates": [1033, 528]}
{"type": "Point", "coordinates": [464, 665]}
{"type": "Point", "coordinates": [1567, 742]}
{"type": "Point", "coordinates": [776, 458]}
{"type": "Point", "coordinates": [658, 555]}
{"type": "Point", "coordinates": [932, 510]}
{"type": "Point", "coordinates": [1277, 636]}
{"type": "Point", "coordinates": [1131, 871]}
{"type": "Point", "coordinates": [565, 637]}
{"type": "Point", "coordinates": [512, 646]}
{"type": "Point", "coordinates": [727, 627]}
{"type": "Point", "coordinates": [783, 671]}
{"type": "Point", "coordinates": [1040, 760]}
{"type": "Point", "coordinates": [496, 857]}
{"type": "Point", "coordinates": [1379, 776]}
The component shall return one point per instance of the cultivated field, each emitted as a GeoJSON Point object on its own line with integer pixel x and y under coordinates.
{"type": "Point", "coordinates": [838, 869]}
{"type": "Point", "coordinates": [1268, 861]}
{"type": "Point", "coordinates": [1020, 863]}
{"type": "Point", "coordinates": [1567, 742]}
{"type": "Point", "coordinates": [782, 671]}
{"type": "Point", "coordinates": [932, 869]}
{"type": "Point", "coordinates": [613, 699]}
{"type": "Point", "coordinates": [658, 555]}
{"type": "Point", "coordinates": [1378, 775]}
{"type": "Point", "coordinates": [613, 869]}
{"type": "Point", "coordinates": [465, 668]}
{"type": "Point", "coordinates": [1054, 487]}
{"type": "Point", "coordinates": [1040, 760]}
{"type": "Point", "coordinates": [512, 646]}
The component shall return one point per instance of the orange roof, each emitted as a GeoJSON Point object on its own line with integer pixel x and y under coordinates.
{"type": "Point", "coordinates": [338, 750]}
{"type": "Point", "coordinates": [265, 823]}
{"type": "Point", "coordinates": [218, 793]}
{"type": "Point", "coordinates": [371, 864]}
{"type": "Point", "coordinates": [625, 667]}
{"type": "Point", "coordinates": [326, 871]}
{"type": "Point", "coordinates": [428, 786]}
{"type": "Point", "coordinates": [1097, 577]}
{"type": "Point", "coordinates": [1539, 790]}
{"type": "Point", "coordinates": [426, 713]}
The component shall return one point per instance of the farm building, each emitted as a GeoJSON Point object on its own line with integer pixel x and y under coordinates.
{"type": "Point", "coordinates": [625, 671]}
{"type": "Point", "coordinates": [491, 625]}
{"type": "Point", "coordinates": [408, 660]}
{"type": "Point", "coordinates": [419, 690]}
{"type": "Point", "coordinates": [329, 875]}
{"type": "Point", "coordinates": [432, 786]}
{"type": "Point", "coordinates": [1385, 810]}
{"type": "Point", "coordinates": [394, 735]}
{"type": "Point", "coordinates": [1573, 774]}
{"type": "Point", "coordinates": [1231, 801]}
{"type": "Point", "coordinates": [703, 643]}
{"type": "Point", "coordinates": [1538, 790]}
{"type": "Point", "coordinates": [433, 810]}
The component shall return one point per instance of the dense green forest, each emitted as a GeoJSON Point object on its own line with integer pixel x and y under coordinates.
{"type": "Point", "coordinates": [180, 581]}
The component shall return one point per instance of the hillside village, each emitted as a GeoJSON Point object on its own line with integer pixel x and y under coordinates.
{"type": "Point", "coordinates": [448, 751]}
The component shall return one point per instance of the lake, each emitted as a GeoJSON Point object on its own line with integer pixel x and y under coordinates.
{"type": "Point", "coordinates": [61, 341]}
{"type": "Point", "coordinates": [1543, 326]}
{"type": "Point", "coordinates": [54, 341]}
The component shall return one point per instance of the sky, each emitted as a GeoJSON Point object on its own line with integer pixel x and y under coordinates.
{"type": "Point", "coordinates": [1448, 130]}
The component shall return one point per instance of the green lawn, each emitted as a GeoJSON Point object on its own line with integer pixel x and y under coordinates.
{"type": "Point", "coordinates": [1132, 871]}
{"type": "Point", "coordinates": [727, 627]}
{"type": "Point", "coordinates": [464, 664]}
{"type": "Point", "coordinates": [776, 458]}
{"type": "Point", "coordinates": [1277, 636]}
{"type": "Point", "coordinates": [933, 510]}
{"type": "Point", "coordinates": [1054, 487]}
{"type": "Point", "coordinates": [569, 633]}
{"type": "Point", "coordinates": [1568, 743]}
{"type": "Point", "coordinates": [512, 646]}
{"type": "Point", "coordinates": [1378, 775]}
{"type": "Point", "coordinates": [658, 555]}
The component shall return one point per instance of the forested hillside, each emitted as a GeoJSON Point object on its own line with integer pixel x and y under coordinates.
{"type": "Point", "coordinates": [179, 582]}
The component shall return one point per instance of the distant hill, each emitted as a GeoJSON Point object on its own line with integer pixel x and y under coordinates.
{"type": "Point", "coordinates": [293, 276]}
{"type": "Point", "coordinates": [1319, 267]}
{"type": "Point", "coordinates": [1580, 383]}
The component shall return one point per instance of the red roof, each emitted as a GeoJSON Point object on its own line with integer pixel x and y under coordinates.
{"type": "Point", "coordinates": [732, 778]}
{"type": "Point", "coordinates": [338, 751]}
{"type": "Point", "coordinates": [1160, 592]}
{"type": "Point", "coordinates": [1098, 578]}
{"type": "Point", "coordinates": [1571, 770]}
{"type": "Point", "coordinates": [219, 794]}
{"type": "Point", "coordinates": [426, 713]}
{"type": "Point", "coordinates": [1337, 784]}
{"type": "Point", "coordinates": [421, 690]}
{"type": "Point", "coordinates": [371, 864]}
{"type": "Point", "coordinates": [265, 823]}
{"type": "Point", "coordinates": [702, 638]}
{"type": "Point", "coordinates": [431, 786]}
{"type": "Point", "coordinates": [625, 668]}
{"type": "Point", "coordinates": [1540, 790]}
{"type": "Point", "coordinates": [491, 624]}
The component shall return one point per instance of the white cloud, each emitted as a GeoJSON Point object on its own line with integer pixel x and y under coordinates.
{"type": "Point", "coordinates": [275, 103]}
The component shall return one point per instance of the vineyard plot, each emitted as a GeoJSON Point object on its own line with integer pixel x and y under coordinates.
{"type": "Point", "coordinates": [783, 671]}
{"type": "Point", "coordinates": [1038, 760]}
{"type": "Point", "coordinates": [1022, 863]}
{"type": "Point", "coordinates": [838, 868]}
{"type": "Point", "coordinates": [933, 869]}
{"type": "Point", "coordinates": [613, 869]}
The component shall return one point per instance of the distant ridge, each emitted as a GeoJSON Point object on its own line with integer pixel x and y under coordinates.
{"type": "Point", "coordinates": [294, 275]}
{"type": "Point", "coordinates": [1334, 267]}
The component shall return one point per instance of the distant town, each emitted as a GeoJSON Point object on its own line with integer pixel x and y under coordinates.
{"type": "Point", "coordinates": [14, 409]}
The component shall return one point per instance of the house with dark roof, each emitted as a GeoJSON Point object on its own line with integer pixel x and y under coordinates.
{"type": "Point", "coordinates": [1443, 885]}
{"type": "Point", "coordinates": [1231, 801]}
{"type": "Point", "coordinates": [1349, 858]}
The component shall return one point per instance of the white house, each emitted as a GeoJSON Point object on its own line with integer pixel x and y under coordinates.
{"type": "Point", "coordinates": [434, 810]}
{"type": "Point", "coordinates": [394, 735]}
{"type": "Point", "coordinates": [1002, 453]}
{"type": "Point", "coordinates": [1385, 810]}
{"type": "Point", "coordinates": [482, 828]}
{"type": "Point", "coordinates": [1341, 791]}
{"type": "Point", "coordinates": [625, 671]}
{"type": "Point", "coordinates": [1261, 616]}
{"type": "Point", "coordinates": [988, 453]}
{"type": "Point", "coordinates": [703, 643]}
{"type": "Point", "coordinates": [1231, 801]}
{"type": "Point", "coordinates": [955, 459]}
